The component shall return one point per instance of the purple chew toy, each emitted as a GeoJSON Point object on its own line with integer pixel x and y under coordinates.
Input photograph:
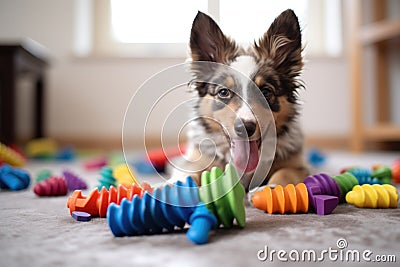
{"type": "Point", "coordinates": [325, 204]}
{"type": "Point", "coordinates": [81, 216]}
{"type": "Point", "coordinates": [323, 193]}
{"type": "Point", "coordinates": [73, 181]}
{"type": "Point", "coordinates": [327, 185]}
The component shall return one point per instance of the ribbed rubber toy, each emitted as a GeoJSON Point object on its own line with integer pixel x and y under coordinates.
{"type": "Point", "coordinates": [97, 202]}
{"type": "Point", "coordinates": [53, 186]}
{"type": "Point", "coordinates": [323, 193]}
{"type": "Point", "coordinates": [346, 182]}
{"type": "Point", "coordinates": [223, 195]}
{"type": "Point", "coordinates": [43, 175]}
{"type": "Point", "coordinates": [373, 196]}
{"type": "Point", "coordinates": [383, 174]}
{"type": "Point", "coordinates": [364, 176]}
{"type": "Point", "coordinates": [288, 199]}
{"type": "Point", "coordinates": [9, 156]}
{"type": "Point", "coordinates": [13, 178]}
{"type": "Point", "coordinates": [174, 206]}
{"type": "Point", "coordinates": [327, 185]}
{"type": "Point", "coordinates": [124, 175]}
{"type": "Point", "coordinates": [107, 179]}
{"type": "Point", "coordinates": [396, 171]}
{"type": "Point", "coordinates": [167, 208]}
{"type": "Point", "coordinates": [73, 181]}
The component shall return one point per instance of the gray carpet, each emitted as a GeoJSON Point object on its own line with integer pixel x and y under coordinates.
{"type": "Point", "coordinates": [39, 232]}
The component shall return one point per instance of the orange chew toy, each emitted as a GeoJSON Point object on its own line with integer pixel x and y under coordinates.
{"type": "Point", "coordinates": [288, 199]}
{"type": "Point", "coordinates": [96, 203]}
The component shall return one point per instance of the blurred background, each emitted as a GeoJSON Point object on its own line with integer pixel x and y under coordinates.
{"type": "Point", "coordinates": [69, 68]}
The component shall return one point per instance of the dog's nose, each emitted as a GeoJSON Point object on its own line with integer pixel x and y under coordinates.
{"type": "Point", "coordinates": [245, 128]}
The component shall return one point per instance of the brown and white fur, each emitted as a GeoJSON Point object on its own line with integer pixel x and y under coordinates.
{"type": "Point", "coordinates": [274, 64]}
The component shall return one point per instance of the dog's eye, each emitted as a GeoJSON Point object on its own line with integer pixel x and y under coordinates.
{"type": "Point", "coordinates": [224, 93]}
{"type": "Point", "coordinates": [267, 92]}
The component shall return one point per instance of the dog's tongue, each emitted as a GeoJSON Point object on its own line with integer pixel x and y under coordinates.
{"type": "Point", "coordinates": [245, 154]}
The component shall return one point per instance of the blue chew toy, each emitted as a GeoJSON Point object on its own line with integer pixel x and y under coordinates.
{"type": "Point", "coordinates": [219, 201]}
{"type": "Point", "coordinates": [201, 221]}
{"type": "Point", "coordinates": [316, 158]}
{"type": "Point", "coordinates": [364, 176]}
{"type": "Point", "coordinates": [165, 209]}
{"type": "Point", "coordinates": [65, 153]}
{"type": "Point", "coordinates": [13, 178]}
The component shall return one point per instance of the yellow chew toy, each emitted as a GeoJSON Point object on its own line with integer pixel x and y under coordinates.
{"type": "Point", "coordinates": [11, 157]}
{"type": "Point", "coordinates": [41, 147]}
{"type": "Point", "coordinates": [124, 175]}
{"type": "Point", "coordinates": [373, 196]}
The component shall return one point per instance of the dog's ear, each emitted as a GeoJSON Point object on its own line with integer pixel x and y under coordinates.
{"type": "Point", "coordinates": [208, 43]}
{"type": "Point", "coordinates": [282, 43]}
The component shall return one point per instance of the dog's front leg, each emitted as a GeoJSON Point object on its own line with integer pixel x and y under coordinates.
{"type": "Point", "coordinates": [288, 175]}
{"type": "Point", "coordinates": [192, 164]}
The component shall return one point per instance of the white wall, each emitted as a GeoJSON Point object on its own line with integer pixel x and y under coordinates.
{"type": "Point", "coordinates": [87, 97]}
{"type": "Point", "coordinates": [326, 109]}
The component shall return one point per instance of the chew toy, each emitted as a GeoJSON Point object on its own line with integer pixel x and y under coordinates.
{"type": "Point", "coordinates": [315, 157]}
{"type": "Point", "coordinates": [95, 164]}
{"type": "Point", "coordinates": [383, 174]}
{"type": "Point", "coordinates": [223, 194]}
{"type": "Point", "coordinates": [148, 214]}
{"type": "Point", "coordinates": [73, 181]}
{"type": "Point", "coordinates": [97, 202]}
{"type": "Point", "coordinates": [107, 179]}
{"type": "Point", "coordinates": [288, 199]}
{"type": "Point", "coordinates": [373, 196]}
{"type": "Point", "coordinates": [13, 178]}
{"type": "Point", "coordinates": [9, 156]}
{"type": "Point", "coordinates": [43, 175]}
{"type": "Point", "coordinates": [174, 206]}
{"type": "Point", "coordinates": [159, 157]}
{"type": "Point", "coordinates": [396, 171]}
{"type": "Point", "coordinates": [65, 153]}
{"type": "Point", "coordinates": [324, 193]}
{"type": "Point", "coordinates": [124, 175]}
{"type": "Point", "coordinates": [201, 221]}
{"type": "Point", "coordinates": [325, 183]}
{"type": "Point", "coordinates": [364, 176]}
{"type": "Point", "coordinates": [41, 148]}
{"type": "Point", "coordinates": [346, 181]}
{"type": "Point", "coordinates": [53, 186]}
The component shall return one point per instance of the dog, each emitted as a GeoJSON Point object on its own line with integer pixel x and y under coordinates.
{"type": "Point", "coordinates": [224, 127]}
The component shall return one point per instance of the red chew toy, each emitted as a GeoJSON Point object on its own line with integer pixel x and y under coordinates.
{"type": "Point", "coordinates": [396, 171]}
{"type": "Point", "coordinates": [95, 164]}
{"type": "Point", "coordinates": [53, 186]}
{"type": "Point", "coordinates": [159, 157]}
